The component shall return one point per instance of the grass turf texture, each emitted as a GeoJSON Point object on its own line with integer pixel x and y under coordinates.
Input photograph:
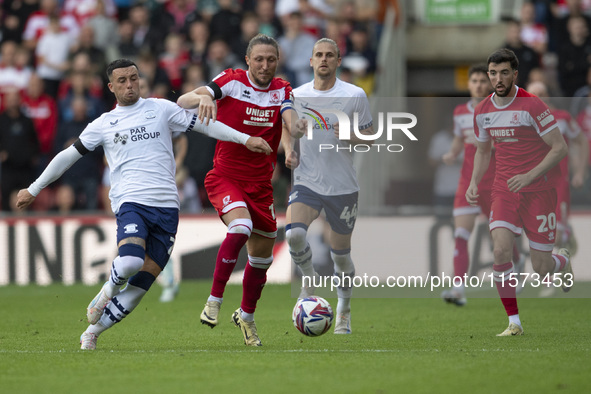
{"type": "Point", "coordinates": [397, 345]}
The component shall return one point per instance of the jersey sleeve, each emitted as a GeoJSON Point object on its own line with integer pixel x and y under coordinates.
{"type": "Point", "coordinates": [180, 120]}
{"type": "Point", "coordinates": [287, 102]}
{"type": "Point", "coordinates": [479, 131]}
{"type": "Point", "coordinates": [542, 118]}
{"type": "Point", "coordinates": [365, 119]}
{"type": "Point", "coordinates": [92, 136]}
{"type": "Point", "coordinates": [220, 86]}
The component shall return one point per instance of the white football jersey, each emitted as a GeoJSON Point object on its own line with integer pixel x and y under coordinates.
{"type": "Point", "coordinates": [137, 141]}
{"type": "Point", "coordinates": [328, 172]}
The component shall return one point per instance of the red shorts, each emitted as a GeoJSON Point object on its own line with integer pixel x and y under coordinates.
{"type": "Point", "coordinates": [532, 211]}
{"type": "Point", "coordinates": [562, 204]}
{"type": "Point", "coordinates": [462, 207]}
{"type": "Point", "coordinates": [227, 194]}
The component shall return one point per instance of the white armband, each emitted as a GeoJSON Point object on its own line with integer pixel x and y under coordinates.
{"type": "Point", "coordinates": [60, 164]}
{"type": "Point", "coordinates": [221, 132]}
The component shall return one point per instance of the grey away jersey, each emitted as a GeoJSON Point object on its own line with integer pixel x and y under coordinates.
{"type": "Point", "coordinates": [137, 141]}
{"type": "Point", "coordinates": [329, 172]}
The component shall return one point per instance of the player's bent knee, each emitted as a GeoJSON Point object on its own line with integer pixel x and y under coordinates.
{"type": "Point", "coordinates": [295, 235]}
{"type": "Point", "coordinates": [240, 226]}
{"type": "Point", "coordinates": [131, 259]}
{"type": "Point", "coordinates": [260, 262]}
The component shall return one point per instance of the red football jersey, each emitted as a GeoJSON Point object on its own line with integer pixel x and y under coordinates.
{"type": "Point", "coordinates": [516, 129]}
{"type": "Point", "coordinates": [254, 111]}
{"type": "Point", "coordinates": [464, 127]}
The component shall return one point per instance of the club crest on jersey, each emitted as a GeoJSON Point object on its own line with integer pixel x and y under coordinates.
{"type": "Point", "coordinates": [275, 97]}
{"type": "Point", "coordinates": [227, 200]}
{"type": "Point", "coordinates": [515, 118]}
{"type": "Point", "coordinates": [131, 228]}
{"type": "Point", "coordinates": [150, 114]}
{"type": "Point", "coordinates": [120, 138]}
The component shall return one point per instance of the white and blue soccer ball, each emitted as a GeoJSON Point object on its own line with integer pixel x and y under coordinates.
{"type": "Point", "coordinates": [312, 316]}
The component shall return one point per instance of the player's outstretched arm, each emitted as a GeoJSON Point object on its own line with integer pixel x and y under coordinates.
{"type": "Point", "coordinates": [223, 132]}
{"type": "Point", "coordinates": [60, 164]}
{"type": "Point", "coordinates": [202, 99]}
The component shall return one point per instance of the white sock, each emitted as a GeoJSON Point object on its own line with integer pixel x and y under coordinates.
{"type": "Point", "coordinates": [246, 316]}
{"type": "Point", "coordinates": [212, 298]}
{"type": "Point", "coordinates": [343, 306]}
{"type": "Point", "coordinates": [96, 329]}
{"type": "Point", "coordinates": [121, 305]}
{"type": "Point", "coordinates": [122, 268]}
{"type": "Point", "coordinates": [515, 319]}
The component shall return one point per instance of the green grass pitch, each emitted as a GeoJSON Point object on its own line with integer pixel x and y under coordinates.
{"type": "Point", "coordinates": [399, 345]}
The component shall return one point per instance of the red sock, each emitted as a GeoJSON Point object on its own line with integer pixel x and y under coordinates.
{"type": "Point", "coordinates": [516, 254]}
{"type": "Point", "coordinates": [506, 289]}
{"type": "Point", "coordinates": [252, 287]}
{"type": "Point", "coordinates": [461, 257]}
{"type": "Point", "coordinates": [226, 261]}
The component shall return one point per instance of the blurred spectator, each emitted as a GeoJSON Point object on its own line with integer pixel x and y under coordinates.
{"type": "Point", "coordinates": [19, 149]}
{"type": "Point", "coordinates": [178, 10]}
{"type": "Point", "coordinates": [269, 24]}
{"type": "Point", "coordinates": [334, 32]}
{"type": "Point", "coordinates": [147, 35]}
{"type": "Point", "coordinates": [79, 186]}
{"type": "Point", "coordinates": [226, 22]}
{"type": "Point", "coordinates": [574, 56]}
{"type": "Point", "coordinates": [123, 7]}
{"type": "Point", "coordinates": [249, 28]}
{"type": "Point", "coordinates": [561, 11]}
{"type": "Point", "coordinates": [85, 44]}
{"type": "Point", "coordinates": [194, 76]}
{"type": "Point", "coordinates": [155, 75]}
{"type": "Point", "coordinates": [314, 15]}
{"type": "Point", "coordinates": [83, 10]}
{"type": "Point", "coordinates": [126, 46]}
{"type": "Point", "coordinates": [174, 60]}
{"type": "Point", "coordinates": [528, 58]}
{"type": "Point", "coordinates": [52, 55]}
{"type": "Point", "coordinates": [533, 34]}
{"type": "Point", "coordinates": [296, 50]}
{"type": "Point", "coordinates": [220, 58]}
{"type": "Point", "coordinates": [42, 109]}
{"type": "Point", "coordinates": [38, 22]}
{"type": "Point", "coordinates": [14, 15]}
{"type": "Point", "coordinates": [78, 85]}
{"type": "Point", "coordinates": [361, 58]}
{"type": "Point", "coordinates": [104, 26]}
{"type": "Point", "coordinates": [12, 76]}
{"type": "Point", "coordinates": [198, 41]}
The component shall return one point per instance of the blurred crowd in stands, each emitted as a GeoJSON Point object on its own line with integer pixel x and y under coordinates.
{"type": "Point", "coordinates": [53, 56]}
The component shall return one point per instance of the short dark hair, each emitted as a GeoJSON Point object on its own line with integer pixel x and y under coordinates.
{"type": "Point", "coordinates": [477, 68]}
{"type": "Point", "coordinates": [119, 63]}
{"type": "Point", "coordinates": [503, 55]}
{"type": "Point", "coordinates": [262, 39]}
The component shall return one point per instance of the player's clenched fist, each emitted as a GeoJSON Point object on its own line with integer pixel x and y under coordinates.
{"type": "Point", "coordinates": [24, 199]}
{"type": "Point", "coordinates": [259, 145]}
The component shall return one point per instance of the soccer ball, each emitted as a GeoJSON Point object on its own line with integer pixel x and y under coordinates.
{"type": "Point", "coordinates": [312, 316]}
